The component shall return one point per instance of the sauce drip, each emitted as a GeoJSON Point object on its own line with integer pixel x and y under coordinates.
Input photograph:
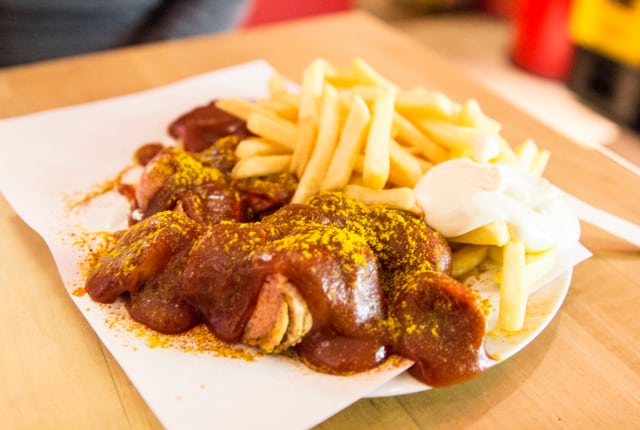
{"type": "Point", "coordinates": [203, 126]}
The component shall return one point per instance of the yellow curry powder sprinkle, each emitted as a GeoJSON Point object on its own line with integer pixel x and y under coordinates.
{"type": "Point", "coordinates": [394, 236]}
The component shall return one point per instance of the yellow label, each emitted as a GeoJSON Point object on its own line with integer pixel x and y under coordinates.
{"type": "Point", "coordinates": [609, 27]}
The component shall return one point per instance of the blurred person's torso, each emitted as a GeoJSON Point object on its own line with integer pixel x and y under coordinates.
{"type": "Point", "coordinates": [33, 30]}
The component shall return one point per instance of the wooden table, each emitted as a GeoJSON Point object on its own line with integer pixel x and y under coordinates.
{"type": "Point", "coordinates": [582, 372]}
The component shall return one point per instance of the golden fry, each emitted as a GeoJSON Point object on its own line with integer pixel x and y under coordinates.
{"type": "Point", "coordinates": [404, 169]}
{"type": "Point", "coordinates": [313, 78]}
{"type": "Point", "coordinates": [276, 85]}
{"type": "Point", "coordinates": [355, 179]}
{"type": "Point", "coordinates": [376, 153]}
{"type": "Point", "coordinates": [367, 93]}
{"type": "Point", "coordinates": [540, 162]}
{"type": "Point", "coordinates": [312, 87]}
{"type": "Point", "coordinates": [513, 291]}
{"type": "Point", "coordinates": [494, 253]}
{"type": "Point", "coordinates": [328, 130]}
{"type": "Point", "coordinates": [349, 145]}
{"type": "Point", "coordinates": [281, 106]}
{"type": "Point", "coordinates": [275, 129]}
{"type": "Point", "coordinates": [364, 74]}
{"type": "Point", "coordinates": [305, 141]}
{"type": "Point", "coordinates": [456, 138]}
{"type": "Point", "coordinates": [425, 165]}
{"type": "Point", "coordinates": [471, 115]}
{"type": "Point", "coordinates": [495, 233]}
{"type": "Point", "coordinates": [358, 167]}
{"type": "Point", "coordinates": [253, 146]}
{"type": "Point", "coordinates": [466, 258]}
{"type": "Point", "coordinates": [261, 165]}
{"type": "Point", "coordinates": [419, 103]}
{"type": "Point", "coordinates": [526, 153]}
{"type": "Point", "coordinates": [243, 108]}
{"type": "Point", "coordinates": [507, 154]}
{"type": "Point", "coordinates": [339, 77]}
{"type": "Point", "coordinates": [410, 135]}
{"type": "Point", "coordinates": [399, 198]}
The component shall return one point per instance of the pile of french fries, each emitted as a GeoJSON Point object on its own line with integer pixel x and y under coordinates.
{"type": "Point", "coordinates": [351, 129]}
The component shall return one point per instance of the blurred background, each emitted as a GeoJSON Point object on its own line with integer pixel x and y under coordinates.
{"type": "Point", "coordinates": [574, 64]}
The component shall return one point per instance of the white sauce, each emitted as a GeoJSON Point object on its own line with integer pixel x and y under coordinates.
{"type": "Point", "coordinates": [485, 148]}
{"type": "Point", "coordinates": [460, 195]}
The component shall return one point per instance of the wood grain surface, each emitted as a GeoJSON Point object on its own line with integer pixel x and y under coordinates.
{"type": "Point", "coordinates": [582, 372]}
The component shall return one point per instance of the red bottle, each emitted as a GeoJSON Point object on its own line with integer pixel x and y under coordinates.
{"type": "Point", "coordinates": [542, 43]}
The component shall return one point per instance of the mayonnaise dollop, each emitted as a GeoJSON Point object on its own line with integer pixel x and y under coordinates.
{"type": "Point", "coordinates": [460, 195]}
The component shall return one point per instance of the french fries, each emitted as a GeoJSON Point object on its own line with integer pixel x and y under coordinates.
{"type": "Point", "coordinates": [329, 126]}
{"type": "Point", "coordinates": [540, 162]}
{"type": "Point", "coordinates": [349, 146]}
{"type": "Point", "coordinates": [375, 171]}
{"type": "Point", "coordinates": [457, 139]}
{"type": "Point", "coordinates": [398, 198]}
{"type": "Point", "coordinates": [243, 108]}
{"type": "Point", "coordinates": [261, 165]}
{"type": "Point", "coordinates": [352, 129]}
{"type": "Point", "coordinates": [530, 158]}
{"type": "Point", "coordinates": [471, 115]}
{"type": "Point", "coordinates": [468, 257]}
{"type": "Point", "coordinates": [404, 168]}
{"type": "Point", "coordinates": [313, 79]}
{"type": "Point", "coordinates": [409, 134]}
{"type": "Point", "coordinates": [275, 129]}
{"type": "Point", "coordinates": [388, 137]}
{"type": "Point", "coordinates": [520, 272]}
{"type": "Point", "coordinates": [366, 75]}
{"type": "Point", "coordinates": [422, 104]}
{"type": "Point", "coordinates": [252, 147]}
{"type": "Point", "coordinates": [513, 291]}
{"type": "Point", "coordinates": [495, 233]}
